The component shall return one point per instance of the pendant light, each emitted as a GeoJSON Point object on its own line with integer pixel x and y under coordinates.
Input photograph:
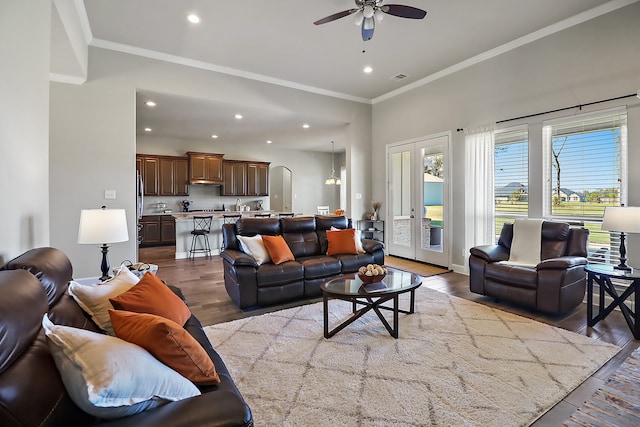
{"type": "Point", "coordinates": [332, 180]}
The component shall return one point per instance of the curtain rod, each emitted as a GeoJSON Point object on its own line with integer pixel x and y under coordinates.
{"type": "Point", "coordinates": [579, 106]}
{"type": "Point", "coordinates": [563, 109]}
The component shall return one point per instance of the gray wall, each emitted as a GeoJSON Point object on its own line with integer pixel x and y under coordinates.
{"type": "Point", "coordinates": [596, 60]}
{"type": "Point", "coordinates": [24, 126]}
{"type": "Point", "coordinates": [93, 140]}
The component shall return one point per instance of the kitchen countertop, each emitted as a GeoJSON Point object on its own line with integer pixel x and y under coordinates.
{"type": "Point", "coordinates": [214, 214]}
{"type": "Point", "coordinates": [220, 214]}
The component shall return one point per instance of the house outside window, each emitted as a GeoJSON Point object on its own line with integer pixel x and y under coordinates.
{"type": "Point", "coordinates": [585, 171]}
{"type": "Point", "coordinates": [511, 176]}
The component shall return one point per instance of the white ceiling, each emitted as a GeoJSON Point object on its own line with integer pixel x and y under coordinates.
{"type": "Point", "coordinates": [276, 41]}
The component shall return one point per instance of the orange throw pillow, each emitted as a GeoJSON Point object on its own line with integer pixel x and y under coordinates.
{"type": "Point", "coordinates": [278, 249]}
{"type": "Point", "coordinates": [342, 242]}
{"type": "Point", "coordinates": [152, 296]}
{"type": "Point", "coordinates": [168, 342]}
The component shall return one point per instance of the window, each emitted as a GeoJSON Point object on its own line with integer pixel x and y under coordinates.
{"type": "Point", "coordinates": [586, 170]}
{"type": "Point", "coordinates": [511, 176]}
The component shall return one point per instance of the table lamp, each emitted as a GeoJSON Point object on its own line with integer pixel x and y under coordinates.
{"type": "Point", "coordinates": [102, 226]}
{"type": "Point", "coordinates": [624, 220]}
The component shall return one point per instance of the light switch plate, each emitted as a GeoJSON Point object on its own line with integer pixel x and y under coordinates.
{"type": "Point", "coordinates": [358, 196]}
{"type": "Point", "coordinates": [110, 194]}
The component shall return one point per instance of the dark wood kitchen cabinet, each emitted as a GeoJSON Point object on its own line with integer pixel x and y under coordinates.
{"type": "Point", "coordinates": [174, 176]}
{"type": "Point", "coordinates": [164, 175]}
{"type": "Point", "coordinates": [150, 231]}
{"type": "Point", "coordinates": [167, 230]}
{"type": "Point", "coordinates": [257, 179]}
{"type": "Point", "coordinates": [205, 168]}
{"type": "Point", "coordinates": [150, 171]}
{"type": "Point", "coordinates": [234, 178]}
{"type": "Point", "coordinates": [157, 230]}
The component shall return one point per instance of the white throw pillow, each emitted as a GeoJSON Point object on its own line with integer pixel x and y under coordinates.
{"type": "Point", "coordinates": [255, 247]}
{"type": "Point", "coordinates": [94, 299]}
{"type": "Point", "coordinates": [110, 378]}
{"type": "Point", "coordinates": [357, 238]}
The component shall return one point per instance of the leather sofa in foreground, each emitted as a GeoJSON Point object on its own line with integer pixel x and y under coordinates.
{"type": "Point", "coordinates": [32, 392]}
{"type": "Point", "coordinates": [556, 285]}
{"type": "Point", "coordinates": [251, 284]}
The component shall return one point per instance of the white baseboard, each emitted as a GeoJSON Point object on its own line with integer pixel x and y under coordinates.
{"type": "Point", "coordinates": [184, 255]}
{"type": "Point", "coordinates": [462, 269]}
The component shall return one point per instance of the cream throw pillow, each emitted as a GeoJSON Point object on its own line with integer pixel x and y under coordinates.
{"type": "Point", "coordinates": [357, 238]}
{"type": "Point", "coordinates": [110, 378]}
{"type": "Point", "coordinates": [254, 246]}
{"type": "Point", "coordinates": [94, 299]}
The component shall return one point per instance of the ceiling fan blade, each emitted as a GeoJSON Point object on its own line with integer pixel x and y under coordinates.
{"type": "Point", "coordinates": [403, 11]}
{"type": "Point", "coordinates": [336, 16]}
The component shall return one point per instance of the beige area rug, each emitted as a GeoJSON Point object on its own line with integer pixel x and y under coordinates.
{"type": "Point", "coordinates": [456, 363]}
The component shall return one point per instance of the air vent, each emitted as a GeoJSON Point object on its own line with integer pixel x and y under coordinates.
{"type": "Point", "coordinates": [399, 77]}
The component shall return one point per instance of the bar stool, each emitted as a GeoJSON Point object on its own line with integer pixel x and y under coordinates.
{"type": "Point", "coordinates": [231, 218]}
{"type": "Point", "coordinates": [285, 214]}
{"type": "Point", "coordinates": [201, 228]}
{"type": "Point", "coordinates": [262, 215]}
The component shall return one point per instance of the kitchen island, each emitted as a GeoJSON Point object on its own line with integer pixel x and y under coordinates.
{"type": "Point", "coordinates": [184, 225]}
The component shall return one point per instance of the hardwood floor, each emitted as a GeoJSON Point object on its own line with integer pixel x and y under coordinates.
{"type": "Point", "coordinates": [202, 284]}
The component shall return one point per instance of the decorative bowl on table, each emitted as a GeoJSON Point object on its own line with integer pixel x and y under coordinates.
{"type": "Point", "coordinates": [372, 273]}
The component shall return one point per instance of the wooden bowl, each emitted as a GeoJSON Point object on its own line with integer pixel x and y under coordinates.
{"type": "Point", "coordinates": [371, 279]}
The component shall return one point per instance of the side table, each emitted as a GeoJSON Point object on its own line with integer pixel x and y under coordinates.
{"type": "Point", "coordinates": [602, 275]}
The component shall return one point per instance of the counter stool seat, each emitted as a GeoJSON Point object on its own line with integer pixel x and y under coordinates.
{"type": "Point", "coordinates": [201, 230]}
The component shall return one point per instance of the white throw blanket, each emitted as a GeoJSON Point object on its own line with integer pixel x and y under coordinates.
{"type": "Point", "coordinates": [525, 246]}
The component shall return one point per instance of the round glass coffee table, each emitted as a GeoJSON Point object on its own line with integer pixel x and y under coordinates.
{"type": "Point", "coordinates": [349, 287]}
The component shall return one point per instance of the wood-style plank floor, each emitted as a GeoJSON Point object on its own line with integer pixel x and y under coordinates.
{"type": "Point", "coordinates": [202, 284]}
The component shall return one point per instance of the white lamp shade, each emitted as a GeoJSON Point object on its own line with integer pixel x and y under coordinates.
{"type": "Point", "coordinates": [99, 226]}
{"type": "Point", "coordinates": [620, 218]}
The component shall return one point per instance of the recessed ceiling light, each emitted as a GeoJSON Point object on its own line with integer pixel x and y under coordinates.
{"type": "Point", "coordinates": [238, 116]}
{"type": "Point", "coordinates": [214, 136]}
{"type": "Point", "coordinates": [150, 104]}
{"type": "Point", "coordinates": [367, 69]}
{"type": "Point", "coordinates": [148, 129]}
{"type": "Point", "coordinates": [306, 126]}
{"type": "Point", "coordinates": [193, 18]}
{"type": "Point", "coordinates": [269, 141]}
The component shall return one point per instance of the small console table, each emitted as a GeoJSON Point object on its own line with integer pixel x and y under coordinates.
{"type": "Point", "coordinates": [602, 275]}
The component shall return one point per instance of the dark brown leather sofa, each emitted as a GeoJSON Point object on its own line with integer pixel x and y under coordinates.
{"type": "Point", "coordinates": [31, 389]}
{"type": "Point", "coordinates": [556, 285]}
{"type": "Point", "coordinates": [249, 284]}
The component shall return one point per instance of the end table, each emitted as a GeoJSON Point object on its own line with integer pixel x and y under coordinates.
{"type": "Point", "coordinates": [602, 275]}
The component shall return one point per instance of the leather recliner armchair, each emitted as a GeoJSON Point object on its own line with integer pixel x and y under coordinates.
{"type": "Point", "coordinates": [556, 285]}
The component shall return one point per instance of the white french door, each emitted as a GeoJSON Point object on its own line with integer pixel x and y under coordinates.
{"type": "Point", "coordinates": [418, 200]}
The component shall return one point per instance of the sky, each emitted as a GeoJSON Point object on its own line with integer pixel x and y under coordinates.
{"type": "Point", "coordinates": [588, 161]}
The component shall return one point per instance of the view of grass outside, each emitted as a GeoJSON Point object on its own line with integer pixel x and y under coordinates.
{"type": "Point", "coordinates": [571, 210]}
{"type": "Point", "coordinates": [435, 213]}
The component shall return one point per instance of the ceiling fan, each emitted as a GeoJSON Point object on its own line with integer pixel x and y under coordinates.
{"type": "Point", "coordinates": [370, 11]}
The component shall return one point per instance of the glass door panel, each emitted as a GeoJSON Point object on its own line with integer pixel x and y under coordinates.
{"type": "Point", "coordinates": [418, 194]}
{"type": "Point", "coordinates": [401, 208]}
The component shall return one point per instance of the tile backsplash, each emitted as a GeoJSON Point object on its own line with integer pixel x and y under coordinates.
{"type": "Point", "coordinates": [202, 197]}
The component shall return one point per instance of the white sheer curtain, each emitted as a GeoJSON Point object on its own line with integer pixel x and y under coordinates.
{"type": "Point", "coordinates": [479, 187]}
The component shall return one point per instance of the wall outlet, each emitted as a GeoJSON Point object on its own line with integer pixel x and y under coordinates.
{"type": "Point", "coordinates": [110, 194]}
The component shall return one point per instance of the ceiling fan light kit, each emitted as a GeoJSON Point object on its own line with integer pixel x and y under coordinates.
{"type": "Point", "coordinates": [369, 11]}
